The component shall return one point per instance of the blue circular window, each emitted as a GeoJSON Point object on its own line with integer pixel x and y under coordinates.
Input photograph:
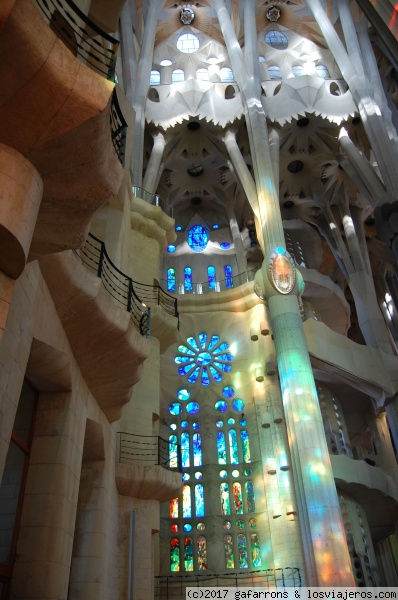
{"type": "Point", "coordinates": [192, 408]}
{"type": "Point", "coordinates": [238, 405]}
{"type": "Point", "coordinates": [225, 245]}
{"type": "Point", "coordinates": [197, 238]}
{"type": "Point", "coordinates": [175, 408]}
{"type": "Point", "coordinates": [184, 424]}
{"type": "Point", "coordinates": [195, 425]}
{"type": "Point", "coordinates": [228, 391]}
{"type": "Point", "coordinates": [171, 248]}
{"type": "Point", "coordinates": [221, 406]}
{"type": "Point", "coordinates": [187, 527]}
{"type": "Point", "coordinates": [183, 394]}
{"type": "Point", "coordinates": [276, 39]}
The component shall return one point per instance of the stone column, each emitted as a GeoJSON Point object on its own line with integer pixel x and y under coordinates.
{"type": "Point", "coordinates": [151, 177]}
{"type": "Point", "coordinates": [237, 238]}
{"type": "Point", "coordinates": [385, 452]}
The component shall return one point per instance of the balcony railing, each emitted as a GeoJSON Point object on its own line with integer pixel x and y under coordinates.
{"type": "Point", "coordinates": [84, 38]}
{"type": "Point", "coordinates": [148, 451]}
{"type": "Point", "coordinates": [173, 586]}
{"type": "Point", "coordinates": [219, 286]}
{"type": "Point", "coordinates": [120, 286]}
{"type": "Point", "coordinates": [153, 199]}
{"type": "Point", "coordinates": [118, 128]}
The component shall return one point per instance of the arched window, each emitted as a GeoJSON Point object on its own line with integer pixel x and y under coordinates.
{"type": "Point", "coordinates": [224, 497]}
{"type": "Point", "coordinates": [174, 508]}
{"type": "Point", "coordinates": [221, 448]}
{"type": "Point", "coordinates": [177, 75]}
{"type": "Point", "coordinates": [233, 447]}
{"type": "Point", "coordinates": [188, 554]}
{"type": "Point", "coordinates": [229, 282]}
{"type": "Point", "coordinates": [185, 450]}
{"type": "Point", "coordinates": [250, 501]}
{"type": "Point", "coordinates": [188, 279]}
{"type": "Point", "coordinates": [199, 501]}
{"type": "Point", "coordinates": [197, 449]}
{"type": "Point", "coordinates": [274, 72]}
{"type": "Point", "coordinates": [202, 74]}
{"type": "Point", "coordinates": [188, 43]}
{"type": "Point", "coordinates": [171, 280]}
{"type": "Point", "coordinates": [229, 552]}
{"type": "Point", "coordinates": [242, 551]}
{"type": "Point", "coordinates": [298, 70]}
{"type": "Point", "coordinates": [155, 77]}
{"type": "Point", "coordinates": [174, 555]}
{"type": "Point", "coordinates": [244, 436]}
{"type": "Point", "coordinates": [322, 71]}
{"type": "Point", "coordinates": [255, 548]}
{"type": "Point", "coordinates": [202, 559]}
{"type": "Point", "coordinates": [237, 494]}
{"type": "Point", "coordinates": [211, 277]}
{"type": "Point", "coordinates": [173, 456]}
{"type": "Point", "coordinates": [226, 75]}
{"type": "Point", "coordinates": [186, 502]}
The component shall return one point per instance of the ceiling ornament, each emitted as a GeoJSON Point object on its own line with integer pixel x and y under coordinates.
{"type": "Point", "coordinates": [273, 13]}
{"type": "Point", "coordinates": [187, 16]}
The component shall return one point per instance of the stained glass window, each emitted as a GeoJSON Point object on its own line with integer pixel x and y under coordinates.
{"type": "Point", "coordinates": [240, 524]}
{"type": "Point", "coordinates": [229, 552]}
{"type": "Point", "coordinates": [188, 554]}
{"type": "Point", "coordinates": [197, 449]}
{"type": "Point", "coordinates": [223, 473]}
{"type": "Point", "coordinates": [202, 559]}
{"type": "Point", "coordinates": [233, 447]}
{"type": "Point", "coordinates": [200, 526]}
{"type": "Point", "coordinates": [198, 475]}
{"type": "Point", "coordinates": [242, 551]}
{"type": "Point", "coordinates": [175, 408]}
{"type": "Point", "coordinates": [255, 547]}
{"type": "Point", "coordinates": [227, 525]}
{"type": "Point", "coordinates": [221, 448]}
{"type": "Point", "coordinates": [192, 408]}
{"type": "Point", "coordinates": [188, 279]}
{"type": "Point", "coordinates": [211, 277]}
{"type": "Point", "coordinates": [173, 456]}
{"type": "Point", "coordinates": [184, 424]}
{"type": "Point", "coordinates": [237, 494]}
{"type": "Point", "coordinates": [228, 391]}
{"type": "Point", "coordinates": [186, 477]}
{"type": "Point", "coordinates": [186, 502]}
{"type": "Point", "coordinates": [194, 375]}
{"type": "Point", "coordinates": [174, 528]}
{"type": "Point", "coordinates": [197, 238]}
{"type": "Point", "coordinates": [174, 555]}
{"type": "Point", "coordinates": [231, 421]}
{"type": "Point", "coordinates": [224, 497]}
{"type": "Point", "coordinates": [251, 503]}
{"type": "Point", "coordinates": [199, 501]}
{"type": "Point", "coordinates": [183, 394]}
{"type": "Point", "coordinates": [238, 404]}
{"type": "Point", "coordinates": [225, 245]}
{"type": "Point", "coordinates": [213, 342]}
{"type": "Point", "coordinates": [221, 406]}
{"type": "Point", "coordinates": [220, 424]}
{"type": "Point", "coordinates": [244, 436]}
{"type": "Point", "coordinates": [187, 527]}
{"type": "Point", "coordinates": [171, 280]}
{"type": "Point", "coordinates": [195, 425]}
{"type": "Point", "coordinates": [174, 508]}
{"type": "Point", "coordinates": [185, 450]}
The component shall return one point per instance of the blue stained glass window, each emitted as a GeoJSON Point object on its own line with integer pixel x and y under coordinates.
{"type": "Point", "coordinates": [198, 475]}
{"type": "Point", "coordinates": [188, 279]}
{"type": "Point", "coordinates": [184, 350]}
{"type": "Point", "coordinates": [251, 503]}
{"type": "Point", "coordinates": [184, 370]}
{"type": "Point", "coordinates": [175, 408]}
{"type": "Point", "coordinates": [180, 360]}
{"type": "Point", "coordinates": [171, 280]}
{"type": "Point", "coordinates": [183, 394]}
{"type": "Point", "coordinates": [228, 391]}
{"type": "Point", "coordinates": [195, 425]}
{"type": "Point", "coordinates": [173, 457]}
{"type": "Point", "coordinates": [186, 502]}
{"type": "Point", "coordinates": [173, 426]}
{"type": "Point", "coordinates": [202, 339]}
{"type": "Point", "coordinates": [199, 501]}
{"type": "Point", "coordinates": [187, 527]}
{"type": "Point", "coordinates": [205, 377]}
{"type": "Point", "coordinates": [229, 282]}
{"type": "Point", "coordinates": [186, 476]}
{"type": "Point", "coordinates": [178, 227]}
{"type": "Point", "coordinates": [188, 554]}
{"type": "Point", "coordinates": [197, 449]}
{"type": "Point", "coordinates": [224, 497]}
{"type": "Point", "coordinates": [193, 377]}
{"type": "Point", "coordinates": [192, 342]}
{"type": "Point", "coordinates": [185, 450]}
{"type": "Point", "coordinates": [171, 248]}
{"type": "Point", "coordinates": [226, 356]}
{"type": "Point", "coordinates": [233, 447]}
{"type": "Point", "coordinates": [221, 348]}
{"type": "Point", "coordinates": [220, 424]}
{"type": "Point", "coordinates": [223, 474]}
{"type": "Point", "coordinates": [221, 406]}
{"type": "Point", "coordinates": [223, 367]}
{"type": "Point", "coordinates": [221, 449]}
{"type": "Point", "coordinates": [225, 245]}
{"type": "Point", "coordinates": [197, 238]}
{"type": "Point", "coordinates": [242, 551]}
{"type": "Point", "coordinates": [243, 423]}
{"type": "Point", "coordinates": [213, 342]}
{"type": "Point", "coordinates": [230, 422]}
{"type": "Point", "coordinates": [192, 408]}
{"type": "Point", "coordinates": [255, 547]}
{"type": "Point", "coordinates": [238, 404]}
{"type": "Point", "coordinates": [215, 374]}
{"type": "Point", "coordinates": [203, 358]}
{"type": "Point", "coordinates": [211, 277]}
{"type": "Point", "coordinates": [244, 436]}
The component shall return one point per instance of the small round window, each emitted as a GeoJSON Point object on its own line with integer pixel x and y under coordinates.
{"type": "Point", "coordinates": [276, 39]}
{"type": "Point", "coordinates": [188, 43]}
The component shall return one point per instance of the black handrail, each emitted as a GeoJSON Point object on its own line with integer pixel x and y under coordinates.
{"type": "Point", "coordinates": [148, 450]}
{"type": "Point", "coordinates": [81, 40]}
{"type": "Point", "coordinates": [120, 286]}
{"type": "Point", "coordinates": [118, 128]}
{"type": "Point", "coordinates": [153, 199]}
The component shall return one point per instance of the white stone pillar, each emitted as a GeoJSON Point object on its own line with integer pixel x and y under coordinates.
{"type": "Point", "coordinates": [152, 172]}
{"type": "Point", "coordinates": [237, 238]}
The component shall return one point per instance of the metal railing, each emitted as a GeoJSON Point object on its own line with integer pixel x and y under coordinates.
{"type": "Point", "coordinates": [219, 285]}
{"type": "Point", "coordinates": [120, 286]}
{"type": "Point", "coordinates": [153, 199]}
{"type": "Point", "coordinates": [118, 128]}
{"type": "Point", "coordinates": [148, 450]}
{"type": "Point", "coordinates": [173, 586]}
{"type": "Point", "coordinates": [84, 38]}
